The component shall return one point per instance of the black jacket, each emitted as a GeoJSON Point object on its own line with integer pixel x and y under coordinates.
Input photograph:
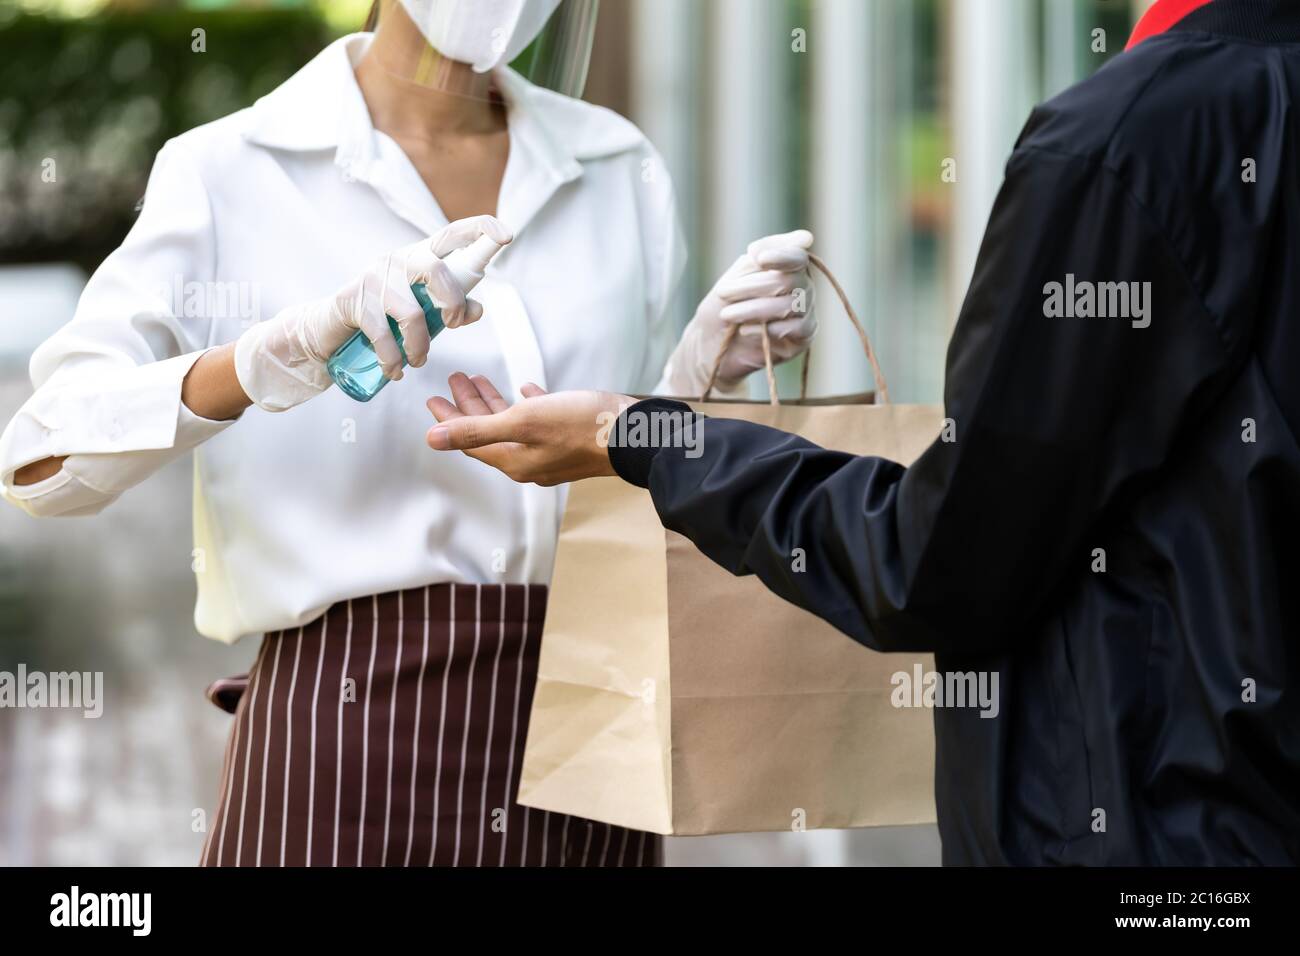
{"type": "Point", "coordinates": [1159, 698]}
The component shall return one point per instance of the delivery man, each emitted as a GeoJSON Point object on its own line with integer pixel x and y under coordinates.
{"type": "Point", "coordinates": [1111, 522]}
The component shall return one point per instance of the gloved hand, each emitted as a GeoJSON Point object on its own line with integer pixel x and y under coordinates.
{"type": "Point", "coordinates": [769, 284]}
{"type": "Point", "coordinates": [280, 363]}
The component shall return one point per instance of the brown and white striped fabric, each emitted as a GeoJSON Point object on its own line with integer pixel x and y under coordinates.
{"type": "Point", "coordinates": [390, 732]}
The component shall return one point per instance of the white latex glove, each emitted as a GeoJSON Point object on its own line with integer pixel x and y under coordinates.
{"type": "Point", "coordinates": [768, 284]}
{"type": "Point", "coordinates": [280, 363]}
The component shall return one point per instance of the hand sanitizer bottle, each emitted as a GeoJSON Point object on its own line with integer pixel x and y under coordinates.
{"type": "Point", "coordinates": [355, 367]}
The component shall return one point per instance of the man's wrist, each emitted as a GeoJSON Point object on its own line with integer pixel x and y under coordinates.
{"type": "Point", "coordinates": [646, 429]}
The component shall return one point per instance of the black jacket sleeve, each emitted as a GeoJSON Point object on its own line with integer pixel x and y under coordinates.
{"type": "Point", "coordinates": [1055, 419]}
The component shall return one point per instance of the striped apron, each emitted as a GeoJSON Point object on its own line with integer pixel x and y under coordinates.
{"type": "Point", "coordinates": [390, 732]}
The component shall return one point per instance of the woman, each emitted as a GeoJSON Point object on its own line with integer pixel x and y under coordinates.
{"type": "Point", "coordinates": [401, 598]}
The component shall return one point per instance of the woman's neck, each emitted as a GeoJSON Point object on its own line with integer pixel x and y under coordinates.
{"type": "Point", "coordinates": [412, 91]}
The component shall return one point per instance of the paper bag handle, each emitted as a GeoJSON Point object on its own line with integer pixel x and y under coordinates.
{"type": "Point", "coordinates": [882, 389]}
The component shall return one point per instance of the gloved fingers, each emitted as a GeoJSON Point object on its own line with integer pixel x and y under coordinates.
{"type": "Point", "coordinates": [787, 338]}
{"type": "Point", "coordinates": [798, 328]}
{"type": "Point", "coordinates": [399, 302]}
{"type": "Point", "coordinates": [755, 285]}
{"type": "Point", "coordinates": [784, 252]}
{"type": "Point", "coordinates": [326, 324]}
{"type": "Point", "coordinates": [415, 332]}
{"type": "Point", "coordinates": [739, 364]}
{"type": "Point", "coordinates": [800, 238]}
{"type": "Point", "coordinates": [782, 259]}
{"type": "Point", "coordinates": [473, 312]}
{"type": "Point", "coordinates": [743, 266]}
{"type": "Point", "coordinates": [447, 294]}
{"type": "Point", "coordinates": [790, 337]}
{"type": "Point", "coordinates": [462, 232]}
{"type": "Point", "coordinates": [764, 309]}
{"type": "Point", "coordinates": [373, 322]}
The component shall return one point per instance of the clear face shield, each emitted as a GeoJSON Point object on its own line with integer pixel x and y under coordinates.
{"type": "Point", "coordinates": [454, 45]}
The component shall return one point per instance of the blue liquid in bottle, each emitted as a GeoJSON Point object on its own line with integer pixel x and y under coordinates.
{"type": "Point", "coordinates": [355, 367]}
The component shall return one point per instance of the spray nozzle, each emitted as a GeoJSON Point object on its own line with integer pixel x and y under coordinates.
{"type": "Point", "coordinates": [469, 264]}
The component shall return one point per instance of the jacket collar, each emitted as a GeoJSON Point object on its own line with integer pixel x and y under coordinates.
{"type": "Point", "coordinates": [1161, 16]}
{"type": "Point", "coordinates": [321, 107]}
{"type": "Point", "coordinates": [1264, 21]}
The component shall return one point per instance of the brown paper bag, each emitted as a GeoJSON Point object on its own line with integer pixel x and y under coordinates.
{"type": "Point", "coordinates": [676, 698]}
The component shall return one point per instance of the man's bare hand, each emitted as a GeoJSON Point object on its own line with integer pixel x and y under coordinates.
{"type": "Point", "coordinates": [544, 439]}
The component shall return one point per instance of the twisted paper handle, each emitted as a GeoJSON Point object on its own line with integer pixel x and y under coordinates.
{"type": "Point", "coordinates": [882, 389]}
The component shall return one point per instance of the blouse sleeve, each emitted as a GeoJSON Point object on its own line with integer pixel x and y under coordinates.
{"type": "Point", "coordinates": [108, 384]}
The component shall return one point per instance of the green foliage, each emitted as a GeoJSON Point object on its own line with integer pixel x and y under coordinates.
{"type": "Point", "coordinates": [100, 95]}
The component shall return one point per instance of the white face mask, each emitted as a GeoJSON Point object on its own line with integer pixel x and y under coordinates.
{"type": "Point", "coordinates": [482, 33]}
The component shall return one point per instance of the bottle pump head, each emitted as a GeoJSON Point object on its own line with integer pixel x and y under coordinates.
{"type": "Point", "coordinates": [469, 263]}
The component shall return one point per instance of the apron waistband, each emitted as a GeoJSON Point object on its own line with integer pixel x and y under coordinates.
{"type": "Point", "coordinates": [503, 604]}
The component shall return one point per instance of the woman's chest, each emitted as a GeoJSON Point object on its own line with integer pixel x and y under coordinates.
{"type": "Point", "coordinates": [463, 175]}
{"type": "Point", "coordinates": [566, 299]}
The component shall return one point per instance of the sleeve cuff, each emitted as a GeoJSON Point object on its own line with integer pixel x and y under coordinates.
{"type": "Point", "coordinates": [193, 430]}
{"type": "Point", "coordinates": [135, 408]}
{"type": "Point", "coordinates": [114, 428]}
{"type": "Point", "coordinates": [643, 431]}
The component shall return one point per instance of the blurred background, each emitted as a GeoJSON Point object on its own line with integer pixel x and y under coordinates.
{"type": "Point", "coordinates": [882, 125]}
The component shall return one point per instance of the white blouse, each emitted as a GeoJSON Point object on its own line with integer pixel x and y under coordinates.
{"type": "Point", "coordinates": [287, 201]}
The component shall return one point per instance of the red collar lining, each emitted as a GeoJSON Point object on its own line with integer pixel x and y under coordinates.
{"type": "Point", "coordinates": [1160, 17]}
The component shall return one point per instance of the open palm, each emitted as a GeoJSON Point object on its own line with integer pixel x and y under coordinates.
{"type": "Point", "coordinates": [546, 439]}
